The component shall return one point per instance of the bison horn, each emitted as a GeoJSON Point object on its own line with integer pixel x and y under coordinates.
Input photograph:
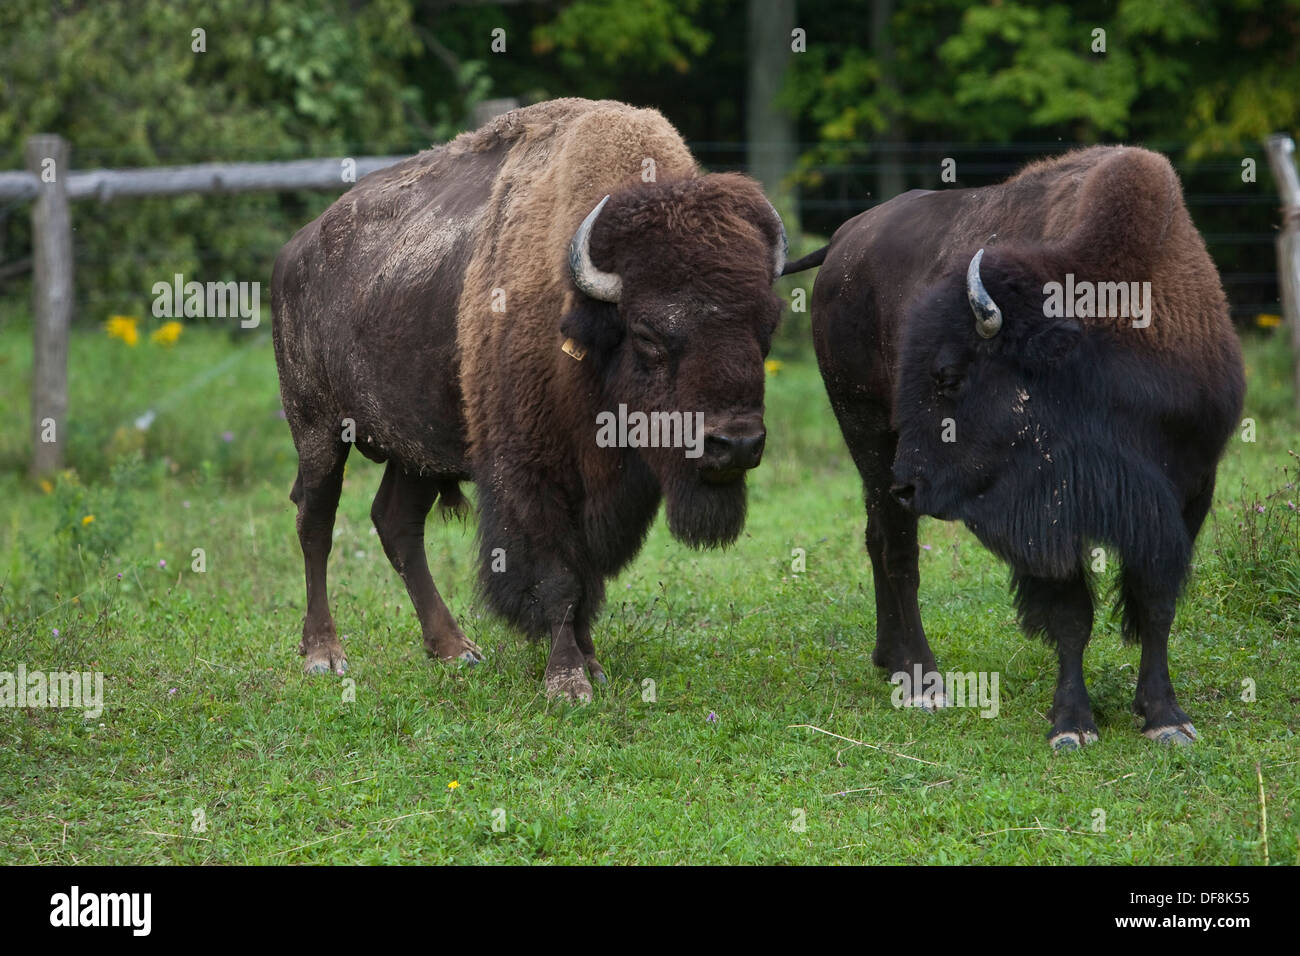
{"type": "Point", "coordinates": [782, 248]}
{"type": "Point", "coordinates": [605, 286]}
{"type": "Point", "coordinates": [988, 317]}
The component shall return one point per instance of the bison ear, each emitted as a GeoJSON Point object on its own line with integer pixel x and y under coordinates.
{"type": "Point", "coordinates": [596, 326]}
{"type": "Point", "coordinates": [1053, 342]}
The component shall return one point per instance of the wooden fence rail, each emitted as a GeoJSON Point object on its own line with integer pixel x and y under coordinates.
{"type": "Point", "coordinates": [106, 184]}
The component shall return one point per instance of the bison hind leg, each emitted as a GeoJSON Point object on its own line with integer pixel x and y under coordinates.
{"type": "Point", "coordinates": [316, 493]}
{"type": "Point", "coordinates": [399, 511]}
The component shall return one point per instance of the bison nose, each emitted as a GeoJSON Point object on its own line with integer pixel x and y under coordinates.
{"type": "Point", "coordinates": [903, 494]}
{"type": "Point", "coordinates": [727, 456]}
{"type": "Point", "coordinates": [735, 451]}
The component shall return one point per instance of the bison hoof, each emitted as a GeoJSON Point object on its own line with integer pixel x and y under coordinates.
{"type": "Point", "coordinates": [1072, 740]}
{"type": "Point", "coordinates": [470, 654]}
{"type": "Point", "coordinates": [930, 702]}
{"type": "Point", "coordinates": [461, 648]}
{"type": "Point", "coordinates": [325, 659]}
{"type": "Point", "coordinates": [596, 671]}
{"type": "Point", "coordinates": [1181, 736]}
{"type": "Point", "coordinates": [568, 683]}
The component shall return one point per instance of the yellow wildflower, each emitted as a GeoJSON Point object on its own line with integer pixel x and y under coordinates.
{"type": "Point", "coordinates": [1266, 321]}
{"type": "Point", "coordinates": [773, 366]}
{"type": "Point", "coordinates": [453, 785]}
{"type": "Point", "coordinates": [167, 333]}
{"type": "Point", "coordinates": [88, 519]}
{"type": "Point", "coordinates": [47, 486]}
{"type": "Point", "coordinates": [122, 327]}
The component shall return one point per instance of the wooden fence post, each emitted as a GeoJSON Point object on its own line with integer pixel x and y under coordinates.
{"type": "Point", "coordinates": [1281, 152]}
{"type": "Point", "coordinates": [47, 158]}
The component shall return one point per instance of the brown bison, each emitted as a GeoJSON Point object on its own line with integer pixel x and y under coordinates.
{"type": "Point", "coordinates": [482, 312]}
{"type": "Point", "coordinates": [1051, 361]}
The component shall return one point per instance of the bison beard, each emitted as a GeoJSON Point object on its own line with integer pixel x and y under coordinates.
{"type": "Point", "coordinates": [704, 515]}
{"type": "Point", "coordinates": [468, 312]}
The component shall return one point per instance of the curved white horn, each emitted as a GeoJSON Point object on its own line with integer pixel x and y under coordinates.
{"type": "Point", "coordinates": [605, 286]}
{"type": "Point", "coordinates": [782, 247]}
{"type": "Point", "coordinates": [988, 317]}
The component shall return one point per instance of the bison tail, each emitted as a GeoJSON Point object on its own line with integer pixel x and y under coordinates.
{"type": "Point", "coordinates": [810, 261]}
{"type": "Point", "coordinates": [452, 502]}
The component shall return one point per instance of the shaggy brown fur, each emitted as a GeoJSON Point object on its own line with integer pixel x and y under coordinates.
{"type": "Point", "coordinates": [384, 317]}
{"type": "Point", "coordinates": [1117, 212]}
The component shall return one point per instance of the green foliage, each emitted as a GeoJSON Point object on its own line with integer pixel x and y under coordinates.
{"type": "Point", "coordinates": [120, 80]}
{"type": "Point", "coordinates": [1257, 537]}
{"type": "Point", "coordinates": [1022, 67]}
{"type": "Point", "coordinates": [328, 71]}
{"type": "Point", "coordinates": [631, 33]}
{"type": "Point", "coordinates": [1218, 76]}
{"type": "Point", "coordinates": [91, 525]}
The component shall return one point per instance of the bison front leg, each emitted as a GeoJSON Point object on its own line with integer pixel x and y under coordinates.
{"type": "Point", "coordinates": [1061, 612]}
{"type": "Point", "coordinates": [1148, 615]}
{"type": "Point", "coordinates": [582, 635]}
{"type": "Point", "coordinates": [566, 676]}
{"type": "Point", "coordinates": [1148, 592]}
{"type": "Point", "coordinates": [572, 664]}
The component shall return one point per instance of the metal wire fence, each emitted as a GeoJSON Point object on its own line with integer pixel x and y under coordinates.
{"type": "Point", "coordinates": [1238, 219]}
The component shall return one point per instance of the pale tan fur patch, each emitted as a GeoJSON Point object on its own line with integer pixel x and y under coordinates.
{"type": "Point", "coordinates": [565, 156]}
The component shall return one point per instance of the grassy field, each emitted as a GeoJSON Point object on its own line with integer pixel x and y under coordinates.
{"type": "Point", "coordinates": [214, 748]}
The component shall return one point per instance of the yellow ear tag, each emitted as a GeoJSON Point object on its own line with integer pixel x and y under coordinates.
{"type": "Point", "coordinates": [574, 350]}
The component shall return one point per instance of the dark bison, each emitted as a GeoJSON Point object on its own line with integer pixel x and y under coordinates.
{"type": "Point", "coordinates": [480, 312]}
{"type": "Point", "coordinates": [1049, 360]}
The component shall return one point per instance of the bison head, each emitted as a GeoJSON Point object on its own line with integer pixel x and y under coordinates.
{"type": "Point", "coordinates": [674, 316]}
{"type": "Point", "coordinates": [997, 409]}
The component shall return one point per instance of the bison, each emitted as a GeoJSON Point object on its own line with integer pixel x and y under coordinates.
{"type": "Point", "coordinates": [478, 312]}
{"type": "Point", "coordinates": [1049, 360]}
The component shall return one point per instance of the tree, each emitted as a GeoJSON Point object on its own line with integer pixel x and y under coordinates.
{"type": "Point", "coordinates": [134, 84]}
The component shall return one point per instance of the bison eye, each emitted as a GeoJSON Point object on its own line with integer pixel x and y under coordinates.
{"type": "Point", "coordinates": [947, 380]}
{"type": "Point", "coordinates": [648, 348]}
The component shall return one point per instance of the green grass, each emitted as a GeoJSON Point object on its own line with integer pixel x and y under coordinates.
{"type": "Point", "coordinates": [206, 708]}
